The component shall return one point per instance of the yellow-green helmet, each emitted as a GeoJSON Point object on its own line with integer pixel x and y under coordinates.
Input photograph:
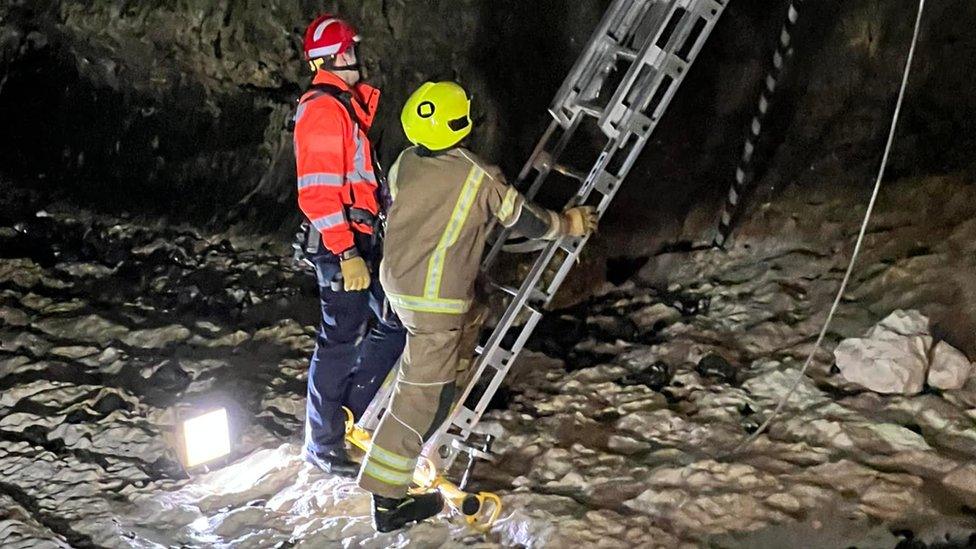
{"type": "Point", "coordinates": [437, 115]}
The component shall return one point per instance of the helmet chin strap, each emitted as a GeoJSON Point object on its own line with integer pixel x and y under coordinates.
{"type": "Point", "coordinates": [322, 64]}
{"type": "Point", "coordinates": [351, 67]}
{"type": "Point", "coordinates": [330, 64]}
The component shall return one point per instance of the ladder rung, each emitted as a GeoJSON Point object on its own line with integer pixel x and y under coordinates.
{"type": "Point", "coordinates": [502, 355]}
{"type": "Point", "coordinates": [606, 183]}
{"type": "Point", "coordinates": [625, 53]}
{"type": "Point", "coordinates": [570, 172]}
{"type": "Point", "coordinates": [590, 109]}
{"type": "Point", "coordinates": [535, 295]}
{"type": "Point", "coordinates": [570, 244]}
{"type": "Point", "coordinates": [507, 289]}
{"type": "Point", "coordinates": [500, 358]}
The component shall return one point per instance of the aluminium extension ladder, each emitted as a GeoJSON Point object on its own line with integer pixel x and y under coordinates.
{"type": "Point", "coordinates": [623, 81]}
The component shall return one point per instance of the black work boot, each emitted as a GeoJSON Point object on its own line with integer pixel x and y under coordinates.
{"type": "Point", "coordinates": [335, 462]}
{"type": "Point", "coordinates": [390, 514]}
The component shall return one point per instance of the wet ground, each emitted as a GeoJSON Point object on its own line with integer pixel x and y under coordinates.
{"type": "Point", "coordinates": [614, 431]}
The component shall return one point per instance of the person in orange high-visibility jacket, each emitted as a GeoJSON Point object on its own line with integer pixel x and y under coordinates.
{"type": "Point", "coordinates": [341, 195]}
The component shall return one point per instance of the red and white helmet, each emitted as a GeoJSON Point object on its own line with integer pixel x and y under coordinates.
{"type": "Point", "coordinates": [328, 35]}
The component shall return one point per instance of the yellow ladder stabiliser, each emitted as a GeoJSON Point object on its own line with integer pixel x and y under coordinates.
{"type": "Point", "coordinates": [480, 510]}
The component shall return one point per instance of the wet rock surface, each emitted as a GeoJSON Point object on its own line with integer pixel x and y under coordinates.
{"type": "Point", "coordinates": [617, 428]}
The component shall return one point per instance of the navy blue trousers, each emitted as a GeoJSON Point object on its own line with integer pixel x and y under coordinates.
{"type": "Point", "coordinates": [352, 356]}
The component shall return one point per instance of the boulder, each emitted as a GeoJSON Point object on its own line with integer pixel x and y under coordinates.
{"type": "Point", "coordinates": [950, 369]}
{"type": "Point", "coordinates": [893, 358]}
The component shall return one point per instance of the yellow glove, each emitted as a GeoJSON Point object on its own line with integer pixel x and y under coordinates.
{"type": "Point", "coordinates": [580, 221]}
{"type": "Point", "coordinates": [355, 274]}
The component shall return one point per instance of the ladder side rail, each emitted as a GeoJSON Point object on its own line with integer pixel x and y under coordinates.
{"type": "Point", "coordinates": [666, 62]}
{"type": "Point", "coordinates": [508, 319]}
{"type": "Point", "coordinates": [618, 19]}
{"type": "Point", "coordinates": [650, 55]}
{"type": "Point", "coordinates": [485, 399]}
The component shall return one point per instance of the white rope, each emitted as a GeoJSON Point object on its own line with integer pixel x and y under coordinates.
{"type": "Point", "coordinates": [857, 245]}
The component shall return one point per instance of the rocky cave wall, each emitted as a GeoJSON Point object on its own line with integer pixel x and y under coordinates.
{"type": "Point", "coordinates": [179, 107]}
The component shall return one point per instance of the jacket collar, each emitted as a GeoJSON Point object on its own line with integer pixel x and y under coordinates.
{"type": "Point", "coordinates": [366, 97]}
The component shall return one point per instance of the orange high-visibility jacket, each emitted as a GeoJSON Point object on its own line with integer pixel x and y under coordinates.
{"type": "Point", "coordinates": [334, 160]}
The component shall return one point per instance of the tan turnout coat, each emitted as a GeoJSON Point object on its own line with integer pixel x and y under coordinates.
{"type": "Point", "coordinates": [436, 233]}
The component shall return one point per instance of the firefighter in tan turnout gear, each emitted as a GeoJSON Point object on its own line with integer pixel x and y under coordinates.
{"type": "Point", "coordinates": [444, 201]}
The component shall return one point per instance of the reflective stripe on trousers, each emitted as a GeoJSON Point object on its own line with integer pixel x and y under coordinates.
{"type": "Point", "coordinates": [422, 398]}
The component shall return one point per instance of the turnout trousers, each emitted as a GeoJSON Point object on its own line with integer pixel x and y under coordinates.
{"type": "Point", "coordinates": [352, 356]}
{"type": "Point", "coordinates": [424, 394]}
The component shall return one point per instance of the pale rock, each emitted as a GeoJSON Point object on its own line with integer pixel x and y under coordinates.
{"type": "Point", "coordinates": [922, 463]}
{"type": "Point", "coordinates": [786, 503]}
{"type": "Point", "coordinates": [553, 464]}
{"type": "Point", "coordinates": [86, 328]}
{"type": "Point", "coordinates": [654, 317]}
{"type": "Point", "coordinates": [64, 306]}
{"type": "Point", "coordinates": [962, 483]}
{"type": "Point", "coordinates": [154, 338]}
{"type": "Point", "coordinates": [25, 340]}
{"type": "Point", "coordinates": [890, 437]}
{"type": "Point", "coordinates": [13, 317]}
{"type": "Point", "coordinates": [626, 445]}
{"type": "Point", "coordinates": [893, 358]}
{"type": "Point", "coordinates": [772, 383]}
{"type": "Point", "coordinates": [20, 421]}
{"type": "Point", "coordinates": [74, 352]}
{"type": "Point", "coordinates": [85, 270]}
{"type": "Point", "coordinates": [950, 369]}
{"type": "Point", "coordinates": [571, 480]}
{"type": "Point", "coordinates": [12, 396]}
{"type": "Point", "coordinates": [900, 323]}
{"type": "Point", "coordinates": [208, 326]}
{"type": "Point", "coordinates": [11, 366]}
{"type": "Point", "coordinates": [232, 339]}
{"type": "Point", "coordinates": [21, 272]}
